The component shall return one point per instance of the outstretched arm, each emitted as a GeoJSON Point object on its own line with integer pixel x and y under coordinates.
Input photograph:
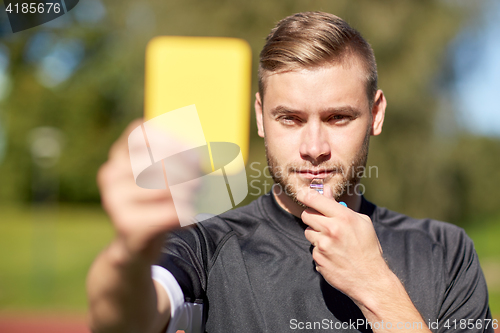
{"type": "Point", "coordinates": [122, 295]}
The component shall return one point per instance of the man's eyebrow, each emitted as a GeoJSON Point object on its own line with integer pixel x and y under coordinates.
{"type": "Point", "coordinates": [345, 110]}
{"type": "Point", "coordinates": [281, 110]}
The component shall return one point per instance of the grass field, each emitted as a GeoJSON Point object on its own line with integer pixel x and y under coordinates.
{"type": "Point", "coordinates": [46, 254]}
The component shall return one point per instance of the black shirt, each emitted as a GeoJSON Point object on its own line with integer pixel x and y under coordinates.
{"type": "Point", "coordinates": [252, 270]}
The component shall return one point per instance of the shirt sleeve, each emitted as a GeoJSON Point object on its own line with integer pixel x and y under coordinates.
{"type": "Point", "coordinates": [181, 270]}
{"type": "Point", "coordinates": [465, 304]}
{"type": "Point", "coordinates": [183, 315]}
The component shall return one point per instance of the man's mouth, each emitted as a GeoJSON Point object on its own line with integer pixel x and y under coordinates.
{"type": "Point", "coordinates": [311, 173]}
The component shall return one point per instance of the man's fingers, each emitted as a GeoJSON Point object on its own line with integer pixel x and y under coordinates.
{"type": "Point", "coordinates": [313, 219]}
{"type": "Point", "coordinates": [311, 235]}
{"type": "Point", "coordinates": [327, 191]}
{"type": "Point", "coordinates": [325, 205]}
{"type": "Point", "coordinates": [117, 178]}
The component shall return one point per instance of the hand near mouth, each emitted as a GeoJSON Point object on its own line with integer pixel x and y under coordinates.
{"type": "Point", "coordinates": [348, 255]}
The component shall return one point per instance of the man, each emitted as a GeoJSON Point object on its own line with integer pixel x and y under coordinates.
{"type": "Point", "coordinates": [293, 259]}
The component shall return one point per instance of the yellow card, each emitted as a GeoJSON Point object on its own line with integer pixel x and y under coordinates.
{"type": "Point", "coordinates": [213, 73]}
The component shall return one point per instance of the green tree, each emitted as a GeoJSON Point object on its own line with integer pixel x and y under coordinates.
{"type": "Point", "coordinates": [418, 173]}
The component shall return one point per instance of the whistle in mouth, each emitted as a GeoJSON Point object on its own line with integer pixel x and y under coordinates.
{"type": "Point", "coordinates": [317, 185]}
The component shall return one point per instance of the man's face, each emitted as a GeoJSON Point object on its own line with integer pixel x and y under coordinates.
{"type": "Point", "coordinates": [316, 124]}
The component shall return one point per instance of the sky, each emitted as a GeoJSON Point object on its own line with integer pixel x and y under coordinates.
{"type": "Point", "coordinates": [475, 56]}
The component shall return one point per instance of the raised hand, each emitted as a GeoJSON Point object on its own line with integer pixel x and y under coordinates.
{"type": "Point", "coordinates": [139, 216]}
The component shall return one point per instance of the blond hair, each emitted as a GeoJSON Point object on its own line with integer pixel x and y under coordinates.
{"type": "Point", "coordinates": [313, 39]}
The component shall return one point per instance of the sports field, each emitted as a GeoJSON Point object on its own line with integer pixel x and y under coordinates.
{"type": "Point", "coordinates": [46, 254]}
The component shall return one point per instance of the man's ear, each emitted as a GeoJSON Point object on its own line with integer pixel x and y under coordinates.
{"type": "Point", "coordinates": [378, 112]}
{"type": "Point", "coordinates": [259, 115]}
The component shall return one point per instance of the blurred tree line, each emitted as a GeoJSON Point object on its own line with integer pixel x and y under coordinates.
{"type": "Point", "coordinates": [84, 74]}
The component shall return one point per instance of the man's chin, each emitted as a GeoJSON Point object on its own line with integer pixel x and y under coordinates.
{"type": "Point", "coordinates": [300, 204]}
{"type": "Point", "coordinates": [290, 191]}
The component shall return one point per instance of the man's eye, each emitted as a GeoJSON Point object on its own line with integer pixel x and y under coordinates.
{"type": "Point", "coordinates": [287, 120]}
{"type": "Point", "coordinates": [339, 119]}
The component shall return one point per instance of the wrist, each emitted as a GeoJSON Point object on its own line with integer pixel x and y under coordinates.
{"type": "Point", "coordinates": [381, 294]}
{"type": "Point", "coordinates": [389, 302]}
{"type": "Point", "coordinates": [377, 295]}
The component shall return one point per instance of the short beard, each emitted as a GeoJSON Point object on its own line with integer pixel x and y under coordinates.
{"type": "Point", "coordinates": [350, 175]}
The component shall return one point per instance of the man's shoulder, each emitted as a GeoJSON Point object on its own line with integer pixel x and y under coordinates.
{"type": "Point", "coordinates": [443, 234]}
{"type": "Point", "coordinates": [240, 222]}
{"type": "Point", "coordinates": [238, 219]}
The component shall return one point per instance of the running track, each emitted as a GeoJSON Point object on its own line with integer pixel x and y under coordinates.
{"type": "Point", "coordinates": [49, 324]}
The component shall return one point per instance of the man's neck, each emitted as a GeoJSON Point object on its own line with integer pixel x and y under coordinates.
{"type": "Point", "coordinates": [353, 201]}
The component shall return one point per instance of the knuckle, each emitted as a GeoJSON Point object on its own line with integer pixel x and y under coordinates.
{"type": "Point", "coordinates": [343, 220]}
{"type": "Point", "coordinates": [318, 260]}
{"type": "Point", "coordinates": [366, 218]}
{"type": "Point", "coordinates": [322, 244]}
{"type": "Point", "coordinates": [333, 230]}
{"type": "Point", "coordinates": [316, 255]}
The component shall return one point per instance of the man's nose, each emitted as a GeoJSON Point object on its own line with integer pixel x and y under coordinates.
{"type": "Point", "coordinates": [315, 146]}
